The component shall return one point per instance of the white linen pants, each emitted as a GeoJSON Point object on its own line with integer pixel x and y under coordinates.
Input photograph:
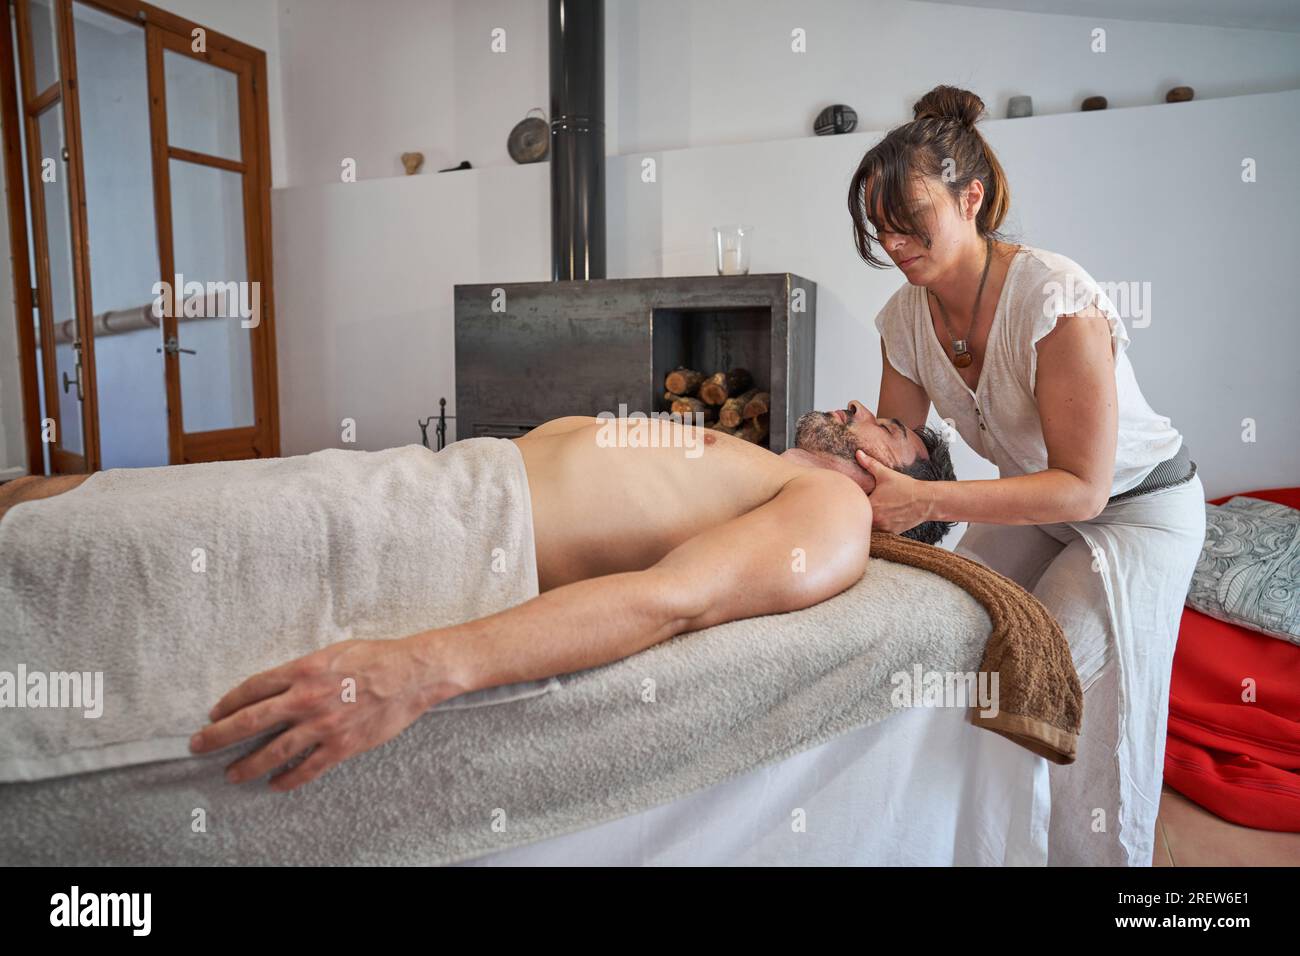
{"type": "Point", "coordinates": [1116, 584]}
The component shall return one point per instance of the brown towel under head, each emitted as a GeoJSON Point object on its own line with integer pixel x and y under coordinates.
{"type": "Point", "coordinates": [1040, 700]}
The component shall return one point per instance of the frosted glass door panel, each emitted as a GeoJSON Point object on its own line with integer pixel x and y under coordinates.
{"type": "Point", "coordinates": [131, 384]}
{"type": "Point", "coordinates": [62, 292]}
{"type": "Point", "coordinates": [208, 241]}
{"type": "Point", "coordinates": [45, 44]}
{"type": "Point", "coordinates": [202, 106]}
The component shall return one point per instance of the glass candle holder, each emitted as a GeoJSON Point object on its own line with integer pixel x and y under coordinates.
{"type": "Point", "coordinates": [733, 244]}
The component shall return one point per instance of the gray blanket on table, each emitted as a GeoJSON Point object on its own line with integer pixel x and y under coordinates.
{"type": "Point", "coordinates": [459, 783]}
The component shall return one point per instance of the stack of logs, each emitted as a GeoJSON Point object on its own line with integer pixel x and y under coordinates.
{"type": "Point", "coordinates": [728, 401]}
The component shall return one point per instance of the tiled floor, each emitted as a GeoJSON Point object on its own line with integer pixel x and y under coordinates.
{"type": "Point", "coordinates": [1189, 835]}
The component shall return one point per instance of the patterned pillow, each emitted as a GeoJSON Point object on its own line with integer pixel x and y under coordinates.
{"type": "Point", "coordinates": [1249, 570]}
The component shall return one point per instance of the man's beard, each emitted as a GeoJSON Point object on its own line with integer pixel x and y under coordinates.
{"type": "Point", "coordinates": [821, 432]}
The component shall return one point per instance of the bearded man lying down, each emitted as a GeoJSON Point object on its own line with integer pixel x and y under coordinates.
{"type": "Point", "coordinates": [666, 529]}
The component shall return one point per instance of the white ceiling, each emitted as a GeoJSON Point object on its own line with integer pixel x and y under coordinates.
{"type": "Point", "coordinates": [1251, 14]}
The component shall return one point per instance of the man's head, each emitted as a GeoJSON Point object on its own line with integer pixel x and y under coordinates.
{"type": "Point", "coordinates": [918, 453]}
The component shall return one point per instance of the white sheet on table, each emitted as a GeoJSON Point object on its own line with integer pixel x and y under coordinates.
{"type": "Point", "coordinates": [923, 788]}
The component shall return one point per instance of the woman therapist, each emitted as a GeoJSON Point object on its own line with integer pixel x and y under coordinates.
{"type": "Point", "coordinates": [1097, 509]}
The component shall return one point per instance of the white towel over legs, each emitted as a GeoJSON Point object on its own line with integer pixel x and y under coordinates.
{"type": "Point", "coordinates": [1117, 585]}
{"type": "Point", "coordinates": [172, 585]}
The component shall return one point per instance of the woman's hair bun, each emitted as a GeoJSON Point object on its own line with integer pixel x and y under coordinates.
{"type": "Point", "coordinates": [950, 102]}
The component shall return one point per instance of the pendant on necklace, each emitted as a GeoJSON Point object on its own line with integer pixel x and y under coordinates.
{"type": "Point", "coordinates": [961, 358]}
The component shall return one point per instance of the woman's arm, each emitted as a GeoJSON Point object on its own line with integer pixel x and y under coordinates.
{"type": "Point", "coordinates": [900, 397]}
{"type": "Point", "coordinates": [1078, 408]}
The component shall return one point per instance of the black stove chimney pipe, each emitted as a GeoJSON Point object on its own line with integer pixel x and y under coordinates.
{"type": "Point", "coordinates": [577, 40]}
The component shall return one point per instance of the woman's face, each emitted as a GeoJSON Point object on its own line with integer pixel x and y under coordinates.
{"type": "Point", "coordinates": [950, 230]}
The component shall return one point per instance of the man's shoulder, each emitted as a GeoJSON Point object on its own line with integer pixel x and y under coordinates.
{"type": "Point", "coordinates": [812, 491]}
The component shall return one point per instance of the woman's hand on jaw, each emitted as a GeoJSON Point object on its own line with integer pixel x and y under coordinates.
{"type": "Point", "coordinates": [898, 502]}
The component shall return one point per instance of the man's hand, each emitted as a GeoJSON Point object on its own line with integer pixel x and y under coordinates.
{"type": "Point", "coordinates": [337, 702]}
{"type": "Point", "coordinates": [898, 502]}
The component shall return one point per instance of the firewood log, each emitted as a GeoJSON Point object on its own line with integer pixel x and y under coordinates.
{"type": "Point", "coordinates": [671, 397]}
{"type": "Point", "coordinates": [760, 404]}
{"type": "Point", "coordinates": [755, 429]}
{"type": "Point", "coordinates": [719, 427]}
{"type": "Point", "coordinates": [683, 381]}
{"type": "Point", "coordinates": [716, 389]}
{"type": "Point", "coordinates": [732, 413]}
{"type": "Point", "coordinates": [688, 407]}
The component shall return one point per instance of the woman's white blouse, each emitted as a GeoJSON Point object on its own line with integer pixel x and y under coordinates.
{"type": "Point", "coordinates": [1000, 419]}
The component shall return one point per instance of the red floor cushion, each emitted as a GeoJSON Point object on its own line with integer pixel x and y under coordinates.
{"type": "Point", "coordinates": [1234, 717]}
{"type": "Point", "coordinates": [1282, 496]}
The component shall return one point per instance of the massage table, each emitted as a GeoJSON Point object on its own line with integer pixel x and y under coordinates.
{"type": "Point", "coordinates": [924, 787]}
{"type": "Point", "coordinates": [766, 740]}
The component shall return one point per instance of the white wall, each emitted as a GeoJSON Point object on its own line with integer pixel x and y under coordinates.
{"type": "Point", "coordinates": [373, 80]}
{"type": "Point", "coordinates": [367, 81]}
{"type": "Point", "coordinates": [364, 276]}
{"type": "Point", "coordinates": [723, 72]}
{"type": "Point", "coordinates": [1149, 194]}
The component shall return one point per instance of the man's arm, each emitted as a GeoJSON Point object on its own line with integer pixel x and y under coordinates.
{"type": "Point", "coordinates": [808, 543]}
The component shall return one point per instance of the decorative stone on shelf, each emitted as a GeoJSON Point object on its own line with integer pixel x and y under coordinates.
{"type": "Point", "coordinates": [412, 162]}
{"type": "Point", "coordinates": [1093, 103]}
{"type": "Point", "coordinates": [1180, 94]}
{"type": "Point", "coordinates": [835, 119]}
{"type": "Point", "coordinates": [1019, 106]}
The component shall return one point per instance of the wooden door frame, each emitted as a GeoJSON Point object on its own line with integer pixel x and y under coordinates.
{"type": "Point", "coordinates": [16, 191]}
{"type": "Point", "coordinates": [60, 94]}
{"type": "Point", "coordinates": [227, 442]}
{"type": "Point", "coordinates": [264, 436]}
{"type": "Point", "coordinates": [80, 234]}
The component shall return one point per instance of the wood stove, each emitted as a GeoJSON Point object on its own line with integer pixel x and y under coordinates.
{"type": "Point", "coordinates": [532, 351]}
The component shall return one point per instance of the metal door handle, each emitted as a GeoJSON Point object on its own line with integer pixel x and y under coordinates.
{"type": "Point", "coordinates": [172, 346]}
{"type": "Point", "coordinates": [69, 382]}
